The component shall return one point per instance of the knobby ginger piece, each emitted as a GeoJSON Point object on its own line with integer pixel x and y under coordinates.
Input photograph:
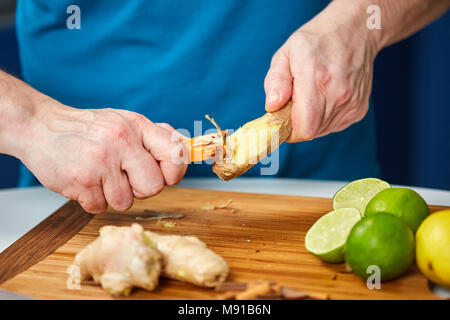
{"type": "Point", "coordinates": [188, 259]}
{"type": "Point", "coordinates": [253, 142]}
{"type": "Point", "coordinates": [121, 258]}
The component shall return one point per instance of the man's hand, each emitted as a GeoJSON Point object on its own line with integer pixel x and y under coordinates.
{"type": "Point", "coordinates": [326, 66]}
{"type": "Point", "coordinates": [101, 157]}
{"type": "Point", "coordinates": [327, 69]}
{"type": "Point", "coordinates": [96, 157]}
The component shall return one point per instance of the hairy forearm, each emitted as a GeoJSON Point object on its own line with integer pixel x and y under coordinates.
{"type": "Point", "coordinates": [399, 18]}
{"type": "Point", "coordinates": [20, 105]}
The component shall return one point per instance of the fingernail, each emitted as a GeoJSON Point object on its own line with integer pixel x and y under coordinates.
{"type": "Point", "coordinates": [272, 97]}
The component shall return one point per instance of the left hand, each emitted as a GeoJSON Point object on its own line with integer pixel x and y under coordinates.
{"type": "Point", "coordinates": [326, 68]}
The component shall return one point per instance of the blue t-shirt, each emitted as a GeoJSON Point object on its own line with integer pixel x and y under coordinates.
{"type": "Point", "coordinates": [175, 61]}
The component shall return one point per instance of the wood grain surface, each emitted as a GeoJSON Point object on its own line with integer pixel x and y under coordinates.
{"type": "Point", "coordinates": [42, 240]}
{"type": "Point", "coordinates": [260, 236]}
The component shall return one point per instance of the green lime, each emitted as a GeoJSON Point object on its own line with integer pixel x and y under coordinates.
{"type": "Point", "coordinates": [401, 202]}
{"type": "Point", "coordinates": [358, 193]}
{"type": "Point", "coordinates": [381, 240]}
{"type": "Point", "coordinates": [326, 238]}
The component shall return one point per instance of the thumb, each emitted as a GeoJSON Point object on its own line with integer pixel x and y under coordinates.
{"type": "Point", "coordinates": [278, 82]}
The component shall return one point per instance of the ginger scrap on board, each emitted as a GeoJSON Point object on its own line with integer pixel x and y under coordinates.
{"type": "Point", "coordinates": [261, 289]}
{"type": "Point", "coordinates": [209, 207]}
{"type": "Point", "coordinates": [167, 224]}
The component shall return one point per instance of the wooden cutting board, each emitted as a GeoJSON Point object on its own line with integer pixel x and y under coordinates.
{"type": "Point", "coordinates": [260, 236]}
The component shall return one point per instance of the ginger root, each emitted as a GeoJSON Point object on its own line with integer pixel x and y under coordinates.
{"type": "Point", "coordinates": [206, 147]}
{"type": "Point", "coordinates": [120, 259]}
{"type": "Point", "coordinates": [125, 257]}
{"type": "Point", "coordinates": [253, 142]}
{"type": "Point", "coordinates": [188, 259]}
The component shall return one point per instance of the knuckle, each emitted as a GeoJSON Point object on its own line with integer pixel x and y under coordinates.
{"type": "Point", "coordinates": [165, 125]}
{"type": "Point", "coordinates": [119, 133]}
{"type": "Point", "coordinates": [279, 55]}
{"type": "Point", "coordinates": [93, 207]}
{"type": "Point", "coordinates": [95, 210]}
{"type": "Point", "coordinates": [122, 202]}
{"type": "Point", "coordinates": [70, 193]}
{"type": "Point", "coordinates": [307, 136]}
{"type": "Point", "coordinates": [172, 180]}
{"type": "Point", "coordinates": [155, 189]}
{"type": "Point", "coordinates": [116, 130]}
{"type": "Point", "coordinates": [273, 76]}
{"type": "Point", "coordinates": [275, 58]}
{"type": "Point", "coordinates": [98, 154]}
{"type": "Point", "coordinates": [151, 189]}
{"type": "Point", "coordinates": [275, 79]}
{"type": "Point", "coordinates": [139, 119]}
{"type": "Point", "coordinates": [169, 128]}
{"type": "Point", "coordinates": [300, 135]}
{"type": "Point", "coordinates": [85, 178]}
{"type": "Point", "coordinates": [138, 195]}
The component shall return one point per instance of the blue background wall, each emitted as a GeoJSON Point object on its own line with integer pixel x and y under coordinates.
{"type": "Point", "coordinates": [410, 94]}
{"type": "Point", "coordinates": [411, 100]}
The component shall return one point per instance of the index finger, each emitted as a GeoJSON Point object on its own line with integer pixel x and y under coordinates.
{"type": "Point", "coordinates": [308, 108]}
{"type": "Point", "coordinates": [171, 154]}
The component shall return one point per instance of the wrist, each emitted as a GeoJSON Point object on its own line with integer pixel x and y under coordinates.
{"type": "Point", "coordinates": [14, 121]}
{"type": "Point", "coordinates": [22, 115]}
{"type": "Point", "coordinates": [39, 121]}
{"type": "Point", "coordinates": [346, 20]}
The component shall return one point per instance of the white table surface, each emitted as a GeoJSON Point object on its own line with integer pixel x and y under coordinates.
{"type": "Point", "coordinates": [22, 209]}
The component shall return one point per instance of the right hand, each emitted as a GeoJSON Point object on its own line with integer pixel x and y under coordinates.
{"type": "Point", "coordinates": [104, 156]}
{"type": "Point", "coordinates": [326, 69]}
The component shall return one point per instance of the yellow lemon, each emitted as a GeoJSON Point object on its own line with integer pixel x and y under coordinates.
{"type": "Point", "coordinates": [433, 247]}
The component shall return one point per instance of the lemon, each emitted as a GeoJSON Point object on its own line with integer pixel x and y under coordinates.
{"type": "Point", "coordinates": [381, 240]}
{"type": "Point", "coordinates": [433, 247]}
{"type": "Point", "coordinates": [358, 193]}
{"type": "Point", "coordinates": [326, 238]}
{"type": "Point", "coordinates": [401, 202]}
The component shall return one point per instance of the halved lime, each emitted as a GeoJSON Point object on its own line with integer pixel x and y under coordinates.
{"type": "Point", "coordinates": [358, 193]}
{"type": "Point", "coordinates": [326, 238]}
